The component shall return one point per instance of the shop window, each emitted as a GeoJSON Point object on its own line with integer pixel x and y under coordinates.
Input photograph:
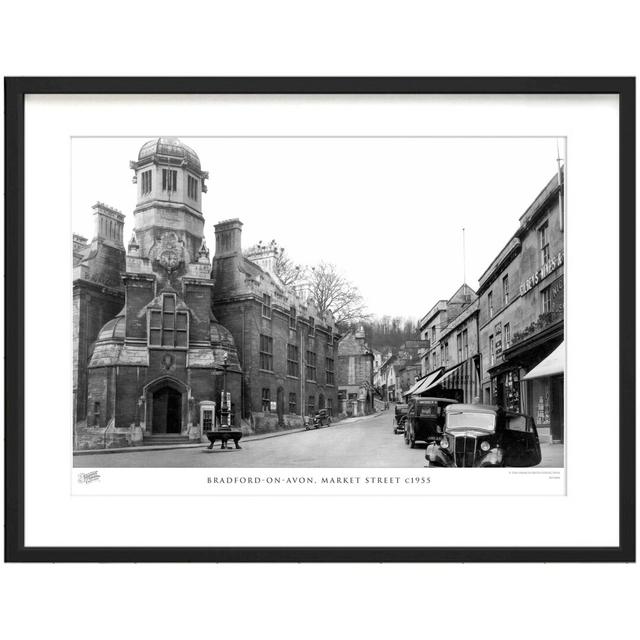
{"type": "Point", "coordinates": [311, 366]}
{"type": "Point", "coordinates": [169, 180]}
{"type": "Point", "coordinates": [293, 361]}
{"type": "Point", "coordinates": [266, 306]}
{"type": "Point", "coordinates": [266, 400]}
{"type": "Point", "coordinates": [543, 236]}
{"type": "Point", "coordinates": [541, 404]}
{"type": "Point", "coordinates": [168, 328]}
{"type": "Point", "coordinates": [293, 403]}
{"type": "Point", "coordinates": [266, 352]}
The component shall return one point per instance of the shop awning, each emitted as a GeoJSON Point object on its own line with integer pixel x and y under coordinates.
{"type": "Point", "coordinates": [424, 383]}
{"type": "Point", "coordinates": [552, 365]}
{"type": "Point", "coordinates": [442, 378]}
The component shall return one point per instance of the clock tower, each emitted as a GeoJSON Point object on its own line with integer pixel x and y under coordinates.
{"type": "Point", "coordinates": [169, 225]}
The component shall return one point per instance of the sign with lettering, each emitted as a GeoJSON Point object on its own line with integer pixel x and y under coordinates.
{"type": "Point", "coordinates": [546, 269]}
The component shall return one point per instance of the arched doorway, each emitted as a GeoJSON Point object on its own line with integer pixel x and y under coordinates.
{"type": "Point", "coordinates": [167, 408]}
{"type": "Point", "coordinates": [167, 411]}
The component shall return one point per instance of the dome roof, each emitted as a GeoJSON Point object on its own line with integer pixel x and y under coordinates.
{"type": "Point", "coordinates": [171, 148]}
{"type": "Point", "coordinates": [220, 335]}
{"type": "Point", "coordinates": [114, 330]}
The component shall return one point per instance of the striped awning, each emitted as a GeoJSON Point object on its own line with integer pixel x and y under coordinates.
{"type": "Point", "coordinates": [424, 383]}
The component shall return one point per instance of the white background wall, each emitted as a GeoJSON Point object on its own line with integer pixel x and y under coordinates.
{"type": "Point", "coordinates": [331, 38]}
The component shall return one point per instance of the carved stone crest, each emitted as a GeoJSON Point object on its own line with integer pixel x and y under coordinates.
{"type": "Point", "coordinates": [169, 251]}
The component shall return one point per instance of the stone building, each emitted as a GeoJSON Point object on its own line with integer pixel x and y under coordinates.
{"type": "Point", "coordinates": [286, 345]}
{"type": "Point", "coordinates": [355, 374]}
{"type": "Point", "coordinates": [460, 354]}
{"type": "Point", "coordinates": [160, 356]}
{"type": "Point", "coordinates": [433, 324]}
{"type": "Point", "coordinates": [160, 330]}
{"type": "Point", "coordinates": [521, 314]}
{"type": "Point", "coordinates": [98, 292]}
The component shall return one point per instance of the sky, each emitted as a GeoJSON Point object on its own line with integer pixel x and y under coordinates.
{"type": "Point", "coordinates": [388, 212]}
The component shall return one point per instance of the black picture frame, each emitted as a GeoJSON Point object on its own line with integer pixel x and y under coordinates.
{"type": "Point", "coordinates": [15, 91]}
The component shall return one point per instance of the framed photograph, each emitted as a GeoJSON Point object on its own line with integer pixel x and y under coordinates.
{"type": "Point", "coordinates": [320, 319]}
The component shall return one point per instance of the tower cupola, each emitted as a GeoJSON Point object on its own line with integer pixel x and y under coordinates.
{"type": "Point", "coordinates": [170, 183]}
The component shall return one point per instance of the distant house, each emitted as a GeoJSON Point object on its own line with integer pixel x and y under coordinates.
{"type": "Point", "coordinates": [355, 374]}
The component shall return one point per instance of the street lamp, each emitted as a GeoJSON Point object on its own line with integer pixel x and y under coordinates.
{"type": "Point", "coordinates": [225, 410]}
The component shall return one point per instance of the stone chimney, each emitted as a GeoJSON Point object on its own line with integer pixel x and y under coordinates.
{"type": "Point", "coordinates": [228, 238]}
{"type": "Point", "coordinates": [109, 225]}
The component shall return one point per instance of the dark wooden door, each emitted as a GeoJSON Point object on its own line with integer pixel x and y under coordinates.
{"type": "Point", "coordinates": [167, 411]}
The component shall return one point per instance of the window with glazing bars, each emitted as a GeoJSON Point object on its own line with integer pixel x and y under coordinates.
{"type": "Point", "coordinates": [329, 370]}
{"type": "Point", "coordinates": [266, 352]}
{"type": "Point", "coordinates": [546, 300]}
{"type": "Point", "coordinates": [169, 180]}
{"type": "Point", "coordinates": [311, 405]}
{"type": "Point", "coordinates": [543, 235]}
{"type": "Point", "coordinates": [168, 327]}
{"type": "Point", "coordinates": [293, 361]}
{"type": "Point", "coordinates": [266, 400]}
{"type": "Point", "coordinates": [192, 187]}
{"type": "Point", "coordinates": [330, 406]}
{"type": "Point", "coordinates": [311, 365]}
{"type": "Point", "coordinates": [292, 318]}
{"type": "Point", "coordinates": [146, 181]}
{"type": "Point", "coordinates": [293, 403]}
{"type": "Point", "coordinates": [266, 306]}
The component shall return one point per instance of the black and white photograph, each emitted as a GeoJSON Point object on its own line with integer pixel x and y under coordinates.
{"type": "Point", "coordinates": [296, 302]}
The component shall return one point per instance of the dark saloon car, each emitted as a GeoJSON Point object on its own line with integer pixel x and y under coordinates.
{"type": "Point", "coordinates": [425, 420]}
{"type": "Point", "coordinates": [399, 418]}
{"type": "Point", "coordinates": [480, 435]}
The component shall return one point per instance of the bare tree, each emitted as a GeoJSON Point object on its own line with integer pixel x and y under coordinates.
{"type": "Point", "coordinates": [286, 269]}
{"type": "Point", "coordinates": [331, 291]}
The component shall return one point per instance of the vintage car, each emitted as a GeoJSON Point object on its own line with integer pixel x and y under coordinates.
{"type": "Point", "coordinates": [425, 420]}
{"type": "Point", "coordinates": [399, 418]}
{"type": "Point", "coordinates": [320, 419]}
{"type": "Point", "coordinates": [477, 435]}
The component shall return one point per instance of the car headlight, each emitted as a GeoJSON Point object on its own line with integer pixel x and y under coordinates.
{"type": "Point", "coordinates": [444, 443]}
{"type": "Point", "coordinates": [485, 446]}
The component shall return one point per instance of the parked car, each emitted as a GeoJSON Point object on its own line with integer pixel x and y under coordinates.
{"type": "Point", "coordinates": [320, 419]}
{"type": "Point", "coordinates": [477, 435]}
{"type": "Point", "coordinates": [399, 418]}
{"type": "Point", "coordinates": [425, 420]}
